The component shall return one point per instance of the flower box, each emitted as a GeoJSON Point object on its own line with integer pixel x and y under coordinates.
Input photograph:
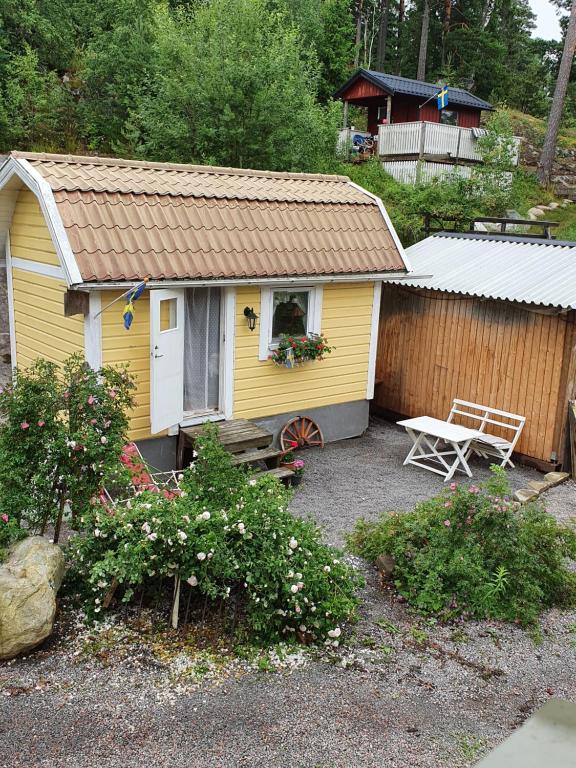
{"type": "Point", "coordinates": [293, 351]}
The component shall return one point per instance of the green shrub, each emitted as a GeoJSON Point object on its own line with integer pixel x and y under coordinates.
{"type": "Point", "coordinates": [10, 532]}
{"type": "Point", "coordinates": [470, 552]}
{"type": "Point", "coordinates": [61, 433]}
{"type": "Point", "coordinates": [228, 534]}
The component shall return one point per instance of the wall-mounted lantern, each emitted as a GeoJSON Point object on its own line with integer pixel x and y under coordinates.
{"type": "Point", "coordinates": [251, 316]}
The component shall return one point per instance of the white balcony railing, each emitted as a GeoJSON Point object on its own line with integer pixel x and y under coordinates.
{"type": "Point", "coordinates": [423, 139]}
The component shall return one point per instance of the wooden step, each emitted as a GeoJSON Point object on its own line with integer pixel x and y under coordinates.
{"type": "Point", "coordinates": [236, 436]}
{"type": "Point", "coordinates": [260, 454]}
{"type": "Point", "coordinates": [280, 472]}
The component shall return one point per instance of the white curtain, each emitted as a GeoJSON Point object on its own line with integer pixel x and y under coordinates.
{"type": "Point", "coordinates": [202, 349]}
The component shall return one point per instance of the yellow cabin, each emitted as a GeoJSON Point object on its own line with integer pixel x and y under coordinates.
{"type": "Point", "coordinates": [233, 258]}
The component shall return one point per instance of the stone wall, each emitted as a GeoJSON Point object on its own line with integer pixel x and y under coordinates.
{"type": "Point", "coordinates": [564, 171]}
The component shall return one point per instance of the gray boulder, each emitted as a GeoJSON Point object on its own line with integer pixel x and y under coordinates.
{"type": "Point", "coordinates": [29, 581]}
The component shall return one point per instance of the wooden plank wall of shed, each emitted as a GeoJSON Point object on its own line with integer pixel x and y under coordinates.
{"type": "Point", "coordinates": [436, 346]}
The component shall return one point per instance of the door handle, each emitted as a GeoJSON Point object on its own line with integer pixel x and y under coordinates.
{"type": "Point", "coordinates": [155, 355]}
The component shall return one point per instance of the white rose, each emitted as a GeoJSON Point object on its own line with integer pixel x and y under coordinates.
{"type": "Point", "coordinates": [192, 580]}
{"type": "Point", "coordinates": [300, 584]}
{"type": "Point", "coordinates": [252, 482]}
{"type": "Point", "coordinates": [103, 440]}
{"type": "Point", "coordinates": [146, 527]}
{"type": "Point", "coordinates": [152, 536]}
{"type": "Point", "coordinates": [180, 477]}
{"type": "Point", "coordinates": [96, 532]}
{"type": "Point", "coordinates": [327, 568]}
{"type": "Point", "coordinates": [206, 515]}
{"type": "Point", "coordinates": [294, 589]}
{"type": "Point", "coordinates": [302, 628]}
{"type": "Point", "coordinates": [334, 632]}
{"type": "Point", "coordinates": [293, 543]}
{"type": "Point", "coordinates": [182, 536]}
{"type": "Point", "coordinates": [201, 555]}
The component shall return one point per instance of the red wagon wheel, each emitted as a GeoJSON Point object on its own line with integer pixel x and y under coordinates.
{"type": "Point", "coordinates": [302, 430]}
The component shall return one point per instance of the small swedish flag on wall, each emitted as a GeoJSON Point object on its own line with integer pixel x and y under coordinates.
{"type": "Point", "coordinates": [442, 98]}
{"type": "Point", "coordinates": [131, 296]}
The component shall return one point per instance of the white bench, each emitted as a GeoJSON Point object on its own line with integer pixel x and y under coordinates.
{"type": "Point", "coordinates": [483, 417]}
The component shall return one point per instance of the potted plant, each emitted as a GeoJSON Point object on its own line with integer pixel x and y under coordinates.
{"type": "Point", "coordinates": [293, 351]}
{"type": "Point", "coordinates": [298, 468]}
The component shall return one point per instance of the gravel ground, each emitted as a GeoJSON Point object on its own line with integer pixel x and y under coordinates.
{"type": "Point", "coordinates": [364, 476]}
{"type": "Point", "coordinates": [401, 692]}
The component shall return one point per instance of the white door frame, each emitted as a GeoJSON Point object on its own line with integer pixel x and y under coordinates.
{"type": "Point", "coordinates": [226, 374]}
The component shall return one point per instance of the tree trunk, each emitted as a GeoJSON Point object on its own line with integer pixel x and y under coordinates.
{"type": "Point", "coordinates": [382, 34]}
{"type": "Point", "coordinates": [446, 27]}
{"type": "Point", "coordinates": [421, 74]}
{"type": "Point", "coordinates": [401, 12]}
{"type": "Point", "coordinates": [549, 148]}
{"type": "Point", "coordinates": [359, 17]}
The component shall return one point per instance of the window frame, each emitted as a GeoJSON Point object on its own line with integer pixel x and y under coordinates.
{"type": "Point", "coordinates": [454, 112]}
{"type": "Point", "coordinates": [313, 318]}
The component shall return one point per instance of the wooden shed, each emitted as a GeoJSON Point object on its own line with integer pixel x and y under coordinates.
{"type": "Point", "coordinates": [492, 320]}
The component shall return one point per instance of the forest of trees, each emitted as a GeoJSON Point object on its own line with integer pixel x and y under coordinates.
{"type": "Point", "coordinates": [246, 82]}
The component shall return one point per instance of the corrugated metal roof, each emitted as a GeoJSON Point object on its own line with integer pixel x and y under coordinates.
{"type": "Point", "coordinates": [393, 84]}
{"type": "Point", "coordinates": [491, 266]}
{"type": "Point", "coordinates": [127, 220]}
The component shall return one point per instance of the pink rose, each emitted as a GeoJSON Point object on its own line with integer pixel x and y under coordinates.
{"type": "Point", "coordinates": [447, 503]}
{"type": "Point", "coordinates": [112, 393]}
{"type": "Point", "coordinates": [93, 421]}
{"type": "Point", "coordinates": [41, 423]}
{"type": "Point", "coordinates": [474, 489]}
{"type": "Point", "coordinates": [453, 486]}
{"type": "Point", "coordinates": [66, 395]}
{"type": "Point", "coordinates": [24, 425]}
{"type": "Point", "coordinates": [91, 400]}
{"type": "Point", "coordinates": [4, 517]}
{"type": "Point", "coordinates": [447, 523]}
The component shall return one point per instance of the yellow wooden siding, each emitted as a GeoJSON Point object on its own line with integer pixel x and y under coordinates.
{"type": "Point", "coordinates": [40, 326]}
{"type": "Point", "coordinates": [263, 389]}
{"type": "Point", "coordinates": [132, 347]}
{"type": "Point", "coordinates": [29, 235]}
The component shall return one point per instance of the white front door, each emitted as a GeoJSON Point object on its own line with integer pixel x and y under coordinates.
{"type": "Point", "coordinates": [167, 358]}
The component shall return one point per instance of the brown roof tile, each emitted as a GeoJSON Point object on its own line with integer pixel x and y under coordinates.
{"type": "Point", "coordinates": [126, 220]}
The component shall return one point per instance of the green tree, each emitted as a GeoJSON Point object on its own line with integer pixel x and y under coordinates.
{"type": "Point", "coordinates": [235, 87]}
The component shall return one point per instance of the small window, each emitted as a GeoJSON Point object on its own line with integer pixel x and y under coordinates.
{"type": "Point", "coordinates": [168, 314]}
{"type": "Point", "coordinates": [289, 313]}
{"type": "Point", "coordinates": [449, 117]}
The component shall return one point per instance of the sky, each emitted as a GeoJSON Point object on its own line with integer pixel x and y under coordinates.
{"type": "Point", "coordinates": [547, 25]}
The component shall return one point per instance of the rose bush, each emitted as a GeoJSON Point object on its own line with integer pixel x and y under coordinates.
{"type": "Point", "coordinates": [62, 429]}
{"type": "Point", "coordinates": [228, 534]}
{"type": "Point", "coordinates": [471, 552]}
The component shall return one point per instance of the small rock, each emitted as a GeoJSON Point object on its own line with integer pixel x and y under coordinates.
{"type": "Point", "coordinates": [567, 201]}
{"type": "Point", "coordinates": [525, 494]}
{"type": "Point", "coordinates": [544, 207]}
{"type": "Point", "coordinates": [29, 581]}
{"type": "Point", "coordinates": [538, 485]}
{"type": "Point", "coordinates": [535, 212]}
{"type": "Point", "coordinates": [553, 205]}
{"type": "Point", "coordinates": [555, 478]}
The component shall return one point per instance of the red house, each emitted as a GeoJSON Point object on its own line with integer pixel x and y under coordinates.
{"type": "Point", "coordinates": [398, 99]}
{"type": "Point", "coordinates": [414, 139]}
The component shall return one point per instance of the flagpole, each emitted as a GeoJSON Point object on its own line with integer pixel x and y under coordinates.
{"type": "Point", "coordinates": [122, 296]}
{"type": "Point", "coordinates": [434, 96]}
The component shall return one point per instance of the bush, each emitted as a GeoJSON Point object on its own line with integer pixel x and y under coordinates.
{"type": "Point", "coordinates": [228, 534]}
{"type": "Point", "coordinates": [61, 434]}
{"type": "Point", "coordinates": [470, 552]}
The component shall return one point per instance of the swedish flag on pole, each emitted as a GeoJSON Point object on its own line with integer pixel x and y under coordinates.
{"type": "Point", "coordinates": [442, 98]}
{"type": "Point", "coordinates": [131, 296]}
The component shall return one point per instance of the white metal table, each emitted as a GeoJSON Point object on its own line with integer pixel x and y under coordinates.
{"type": "Point", "coordinates": [428, 433]}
